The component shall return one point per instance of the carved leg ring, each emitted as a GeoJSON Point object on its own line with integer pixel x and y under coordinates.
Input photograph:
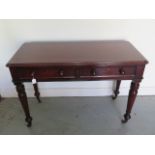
{"type": "Point", "coordinates": [37, 94]}
{"type": "Point", "coordinates": [131, 99]}
{"type": "Point", "coordinates": [23, 99]}
{"type": "Point", "coordinates": [116, 91]}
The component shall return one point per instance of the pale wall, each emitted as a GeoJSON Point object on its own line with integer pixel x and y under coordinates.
{"type": "Point", "coordinates": [141, 33]}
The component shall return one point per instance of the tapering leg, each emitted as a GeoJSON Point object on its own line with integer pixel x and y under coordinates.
{"type": "Point", "coordinates": [37, 94]}
{"type": "Point", "coordinates": [116, 91]}
{"type": "Point", "coordinates": [131, 99]}
{"type": "Point", "coordinates": [23, 99]}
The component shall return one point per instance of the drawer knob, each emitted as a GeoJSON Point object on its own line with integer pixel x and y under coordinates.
{"type": "Point", "coordinates": [122, 72]}
{"type": "Point", "coordinates": [61, 72]}
{"type": "Point", "coordinates": [93, 72]}
{"type": "Point", "coordinates": [33, 74]}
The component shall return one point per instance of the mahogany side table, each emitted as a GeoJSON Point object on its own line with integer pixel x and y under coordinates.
{"type": "Point", "coordinates": [77, 61]}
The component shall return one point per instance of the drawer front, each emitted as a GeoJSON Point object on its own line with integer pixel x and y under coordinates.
{"type": "Point", "coordinates": [72, 72]}
{"type": "Point", "coordinates": [107, 71]}
{"type": "Point", "coordinates": [43, 73]}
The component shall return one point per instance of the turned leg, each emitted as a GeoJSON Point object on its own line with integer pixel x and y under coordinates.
{"type": "Point", "coordinates": [131, 99]}
{"type": "Point", "coordinates": [116, 91]}
{"type": "Point", "coordinates": [23, 99]}
{"type": "Point", "coordinates": [37, 94]}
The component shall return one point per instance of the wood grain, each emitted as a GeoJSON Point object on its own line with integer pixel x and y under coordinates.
{"type": "Point", "coordinates": [97, 53]}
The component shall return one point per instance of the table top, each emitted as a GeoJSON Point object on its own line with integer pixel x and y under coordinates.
{"type": "Point", "coordinates": [114, 52]}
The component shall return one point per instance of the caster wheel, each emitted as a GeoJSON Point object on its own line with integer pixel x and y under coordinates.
{"type": "Point", "coordinates": [114, 97]}
{"type": "Point", "coordinates": [29, 124]}
{"type": "Point", "coordinates": [29, 121]}
{"type": "Point", "coordinates": [126, 118]}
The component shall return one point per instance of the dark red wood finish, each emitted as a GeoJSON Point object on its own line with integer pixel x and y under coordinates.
{"type": "Point", "coordinates": [73, 73]}
{"type": "Point", "coordinates": [77, 61]}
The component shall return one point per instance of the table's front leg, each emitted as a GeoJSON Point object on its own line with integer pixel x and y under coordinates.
{"type": "Point", "coordinates": [131, 99]}
{"type": "Point", "coordinates": [23, 99]}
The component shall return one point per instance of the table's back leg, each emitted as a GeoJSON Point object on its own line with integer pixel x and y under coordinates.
{"type": "Point", "coordinates": [116, 90]}
{"type": "Point", "coordinates": [37, 94]}
{"type": "Point", "coordinates": [131, 99]}
{"type": "Point", "coordinates": [23, 99]}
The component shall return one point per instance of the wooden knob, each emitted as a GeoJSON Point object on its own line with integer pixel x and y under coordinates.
{"type": "Point", "coordinates": [61, 72]}
{"type": "Point", "coordinates": [33, 74]}
{"type": "Point", "coordinates": [93, 72]}
{"type": "Point", "coordinates": [122, 72]}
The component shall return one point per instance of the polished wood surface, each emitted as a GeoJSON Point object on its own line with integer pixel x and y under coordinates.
{"type": "Point", "coordinates": [73, 73]}
{"type": "Point", "coordinates": [77, 53]}
{"type": "Point", "coordinates": [77, 61]}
